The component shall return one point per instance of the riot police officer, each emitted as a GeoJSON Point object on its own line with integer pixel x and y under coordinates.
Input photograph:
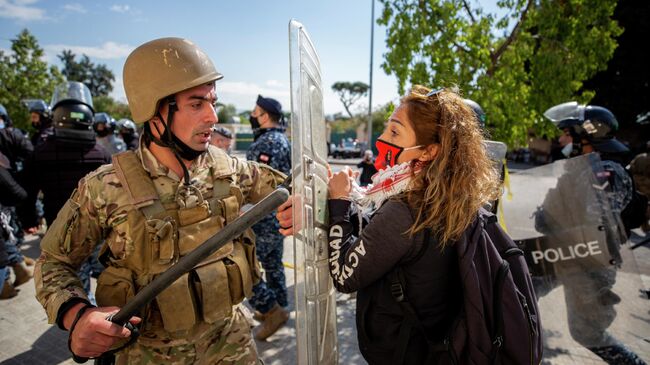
{"type": "Point", "coordinates": [104, 127]}
{"type": "Point", "coordinates": [128, 132]}
{"type": "Point", "coordinates": [152, 206]}
{"type": "Point", "coordinates": [271, 147]}
{"type": "Point", "coordinates": [66, 156]}
{"type": "Point", "coordinates": [13, 142]}
{"type": "Point", "coordinates": [41, 118]}
{"type": "Point", "coordinates": [592, 130]}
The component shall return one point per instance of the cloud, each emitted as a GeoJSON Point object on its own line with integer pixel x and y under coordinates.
{"type": "Point", "coordinates": [120, 8]}
{"type": "Point", "coordinates": [243, 94]}
{"type": "Point", "coordinates": [108, 50]}
{"type": "Point", "coordinates": [75, 7]}
{"type": "Point", "coordinates": [274, 83]}
{"type": "Point", "coordinates": [21, 9]}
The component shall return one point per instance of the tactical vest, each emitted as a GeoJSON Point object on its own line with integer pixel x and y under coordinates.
{"type": "Point", "coordinates": [162, 233]}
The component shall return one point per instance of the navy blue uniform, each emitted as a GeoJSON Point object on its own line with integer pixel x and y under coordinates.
{"type": "Point", "coordinates": [271, 147]}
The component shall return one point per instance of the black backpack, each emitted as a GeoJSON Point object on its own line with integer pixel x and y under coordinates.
{"type": "Point", "coordinates": [499, 320]}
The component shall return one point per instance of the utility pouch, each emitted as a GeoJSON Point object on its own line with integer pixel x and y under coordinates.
{"type": "Point", "coordinates": [115, 286]}
{"type": "Point", "coordinates": [248, 243]}
{"type": "Point", "coordinates": [162, 237]}
{"type": "Point", "coordinates": [205, 226]}
{"type": "Point", "coordinates": [176, 305]}
{"type": "Point", "coordinates": [215, 294]}
{"type": "Point", "coordinates": [240, 281]}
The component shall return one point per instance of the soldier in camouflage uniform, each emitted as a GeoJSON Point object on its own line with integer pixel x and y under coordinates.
{"type": "Point", "coordinates": [588, 293]}
{"type": "Point", "coordinates": [271, 147]}
{"type": "Point", "coordinates": [152, 206]}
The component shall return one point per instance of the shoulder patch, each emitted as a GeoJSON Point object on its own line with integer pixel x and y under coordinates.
{"type": "Point", "coordinates": [264, 158]}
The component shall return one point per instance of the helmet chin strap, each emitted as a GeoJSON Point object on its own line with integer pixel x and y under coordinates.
{"type": "Point", "coordinates": [169, 140]}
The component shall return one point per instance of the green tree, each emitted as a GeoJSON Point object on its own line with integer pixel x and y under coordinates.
{"type": "Point", "coordinates": [349, 93]}
{"type": "Point", "coordinates": [25, 75]}
{"type": "Point", "coordinates": [97, 77]}
{"type": "Point", "coordinates": [114, 108]}
{"type": "Point", "coordinates": [516, 66]}
{"type": "Point", "coordinates": [225, 112]}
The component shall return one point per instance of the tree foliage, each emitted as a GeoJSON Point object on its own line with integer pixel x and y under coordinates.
{"type": "Point", "coordinates": [98, 78]}
{"type": "Point", "coordinates": [349, 93]}
{"type": "Point", "coordinates": [25, 75]}
{"type": "Point", "coordinates": [114, 108]}
{"type": "Point", "coordinates": [226, 112]}
{"type": "Point", "coordinates": [516, 66]}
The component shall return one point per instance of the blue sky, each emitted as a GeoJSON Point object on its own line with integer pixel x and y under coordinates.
{"type": "Point", "coordinates": [247, 39]}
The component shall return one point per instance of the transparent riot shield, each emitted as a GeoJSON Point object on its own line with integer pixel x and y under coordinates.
{"type": "Point", "coordinates": [496, 152]}
{"type": "Point", "coordinates": [587, 283]}
{"type": "Point", "coordinates": [315, 295]}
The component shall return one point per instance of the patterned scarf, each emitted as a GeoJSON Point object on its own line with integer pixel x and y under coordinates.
{"type": "Point", "coordinates": [385, 184]}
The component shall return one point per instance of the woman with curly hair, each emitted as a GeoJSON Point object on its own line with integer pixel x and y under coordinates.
{"type": "Point", "coordinates": [434, 177]}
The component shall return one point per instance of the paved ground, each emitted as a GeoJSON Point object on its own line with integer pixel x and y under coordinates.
{"type": "Point", "coordinates": [26, 338]}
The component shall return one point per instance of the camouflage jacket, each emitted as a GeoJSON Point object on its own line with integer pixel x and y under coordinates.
{"type": "Point", "coordinates": [99, 204]}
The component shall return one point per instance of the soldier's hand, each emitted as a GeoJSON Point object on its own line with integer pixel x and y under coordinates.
{"type": "Point", "coordinates": [285, 217]}
{"type": "Point", "coordinates": [94, 334]}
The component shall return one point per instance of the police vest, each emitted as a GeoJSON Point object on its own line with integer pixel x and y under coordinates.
{"type": "Point", "coordinates": [162, 233]}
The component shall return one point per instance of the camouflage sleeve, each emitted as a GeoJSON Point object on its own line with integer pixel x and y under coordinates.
{"type": "Point", "coordinates": [256, 180]}
{"type": "Point", "coordinates": [68, 242]}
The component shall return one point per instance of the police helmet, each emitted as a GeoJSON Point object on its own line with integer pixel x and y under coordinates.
{"type": "Point", "coordinates": [3, 113]}
{"type": "Point", "coordinates": [72, 111]}
{"type": "Point", "coordinates": [161, 68]}
{"type": "Point", "coordinates": [126, 124]}
{"type": "Point", "coordinates": [478, 111]}
{"type": "Point", "coordinates": [40, 107]}
{"type": "Point", "coordinates": [593, 123]}
{"type": "Point", "coordinates": [103, 118]}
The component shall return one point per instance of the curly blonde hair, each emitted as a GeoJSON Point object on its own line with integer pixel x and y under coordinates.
{"type": "Point", "coordinates": [448, 192]}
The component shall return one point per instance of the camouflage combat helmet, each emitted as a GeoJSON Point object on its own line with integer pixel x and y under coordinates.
{"type": "Point", "coordinates": [160, 68]}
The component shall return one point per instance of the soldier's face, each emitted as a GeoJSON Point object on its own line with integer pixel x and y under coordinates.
{"type": "Point", "coordinates": [195, 117]}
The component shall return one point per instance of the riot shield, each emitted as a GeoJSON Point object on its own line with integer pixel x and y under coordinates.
{"type": "Point", "coordinates": [587, 284]}
{"type": "Point", "coordinates": [496, 152]}
{"type": "Point", "coordinates": [315, 295]}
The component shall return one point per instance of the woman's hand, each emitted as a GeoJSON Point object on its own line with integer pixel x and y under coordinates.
{"type": "Point", "coordinates": [340, 184]}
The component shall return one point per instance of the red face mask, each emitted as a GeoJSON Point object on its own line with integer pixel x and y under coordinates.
{"type": "Point", "coordinates": [388, 153]}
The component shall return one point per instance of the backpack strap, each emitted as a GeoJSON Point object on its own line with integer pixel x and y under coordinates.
{"type": "Point", "coordinates": [397, 290]}
{"type": "Point", "coordinates": [137, 183]}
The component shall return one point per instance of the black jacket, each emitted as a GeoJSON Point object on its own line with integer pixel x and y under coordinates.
{"type": "Point", "coordinates": [367, 170]}
{"type": "Point", "coordinates": [363, 264]}
{"type": "Point", "coordinates": [15, 145]}
{"type": "Point", "coordinates": [55, 168]}
{"type": "Point", "coordinates": [11, 194]}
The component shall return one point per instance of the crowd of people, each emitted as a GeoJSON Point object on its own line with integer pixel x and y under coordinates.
{"type": "Point", "coordinates": [123, 201]}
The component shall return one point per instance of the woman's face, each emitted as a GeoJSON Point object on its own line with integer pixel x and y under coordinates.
{"type": "Point", "coordinates": [399, 131]}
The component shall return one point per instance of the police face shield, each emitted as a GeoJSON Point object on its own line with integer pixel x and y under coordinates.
{"type": "Point", "coordinates": [565, 111]}
{"type": "Point", "coordinates": [315, 295]}
{"type": "Point", "coordinates": [72, 92]}
{"type": "Point", "coordinates": [587, 283]}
